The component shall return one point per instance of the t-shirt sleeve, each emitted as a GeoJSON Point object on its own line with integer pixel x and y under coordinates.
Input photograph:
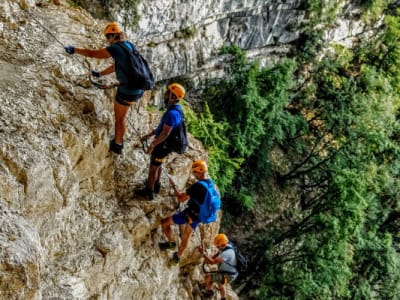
{"type": "Point", "coordinates": [197, 191]}
{"type": "Point", "coordinates": [227, 255]}
{"type": "Point", "coordinates": [112, 50]}
{"type": "Point", "coordinates": [173, 118]}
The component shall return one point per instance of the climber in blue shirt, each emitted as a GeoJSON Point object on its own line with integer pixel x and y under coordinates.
{"type": "Point", "coordinates": [162, 144]}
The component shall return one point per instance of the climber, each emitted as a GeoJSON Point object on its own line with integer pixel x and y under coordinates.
{"type": "Point", "coordinates": [194, 196]}
{"type": "Point", "coordinates": [161, 145]}
{"type": "Point", "coordinates": [226, 260]}
{"type": "Point", "coordinates": [126, 95]}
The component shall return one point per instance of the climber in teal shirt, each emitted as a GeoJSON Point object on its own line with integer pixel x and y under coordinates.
{"type": "Point", "coordinates": [126, 95]}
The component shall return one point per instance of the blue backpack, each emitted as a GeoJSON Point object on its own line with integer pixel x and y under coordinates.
{"type": "Point", "coordinates": [211, 203]}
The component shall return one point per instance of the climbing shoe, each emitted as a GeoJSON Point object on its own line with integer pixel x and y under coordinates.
{"type": "Point", "coordinates": [157, 187]}
{"type": "Point", "coordinates": [175, 259]}
{"type": "Point", "coordinates": [145, 193]}
{"type": "Point", "coordinates": [116, 148]}
{"type": "Point", "coordinates": [207, 293]}
{"type": "Point", "coordinates": [167, 245]}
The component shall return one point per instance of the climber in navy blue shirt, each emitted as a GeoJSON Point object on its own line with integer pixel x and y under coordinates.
{"type": "Point", "coordinates": [126, 95]}
{"type": "Point", "coordinates": [161, 145]}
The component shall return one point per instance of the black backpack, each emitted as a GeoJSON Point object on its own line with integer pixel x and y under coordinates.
{"type": "Point", "coordinates": [177, 141]}
{"type": "Point", "coordinates": [139, 73]}
{"type": "Point", "coordinates": [240, 259]}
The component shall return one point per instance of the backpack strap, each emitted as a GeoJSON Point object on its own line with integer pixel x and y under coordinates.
{"type": "Point", "coordinates": [229, 246]}
{"type": "Point", "coordinates": [121, 44]}
{"type": "Point", "coordinates": [207, 183]}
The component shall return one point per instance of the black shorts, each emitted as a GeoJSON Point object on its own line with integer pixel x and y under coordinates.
{"type": "Point", "coordinates": [160, 152]}
{"type": "Point", "coordinates": [127, 100]}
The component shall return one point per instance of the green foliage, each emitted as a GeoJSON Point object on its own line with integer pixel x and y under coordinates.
{"type": "Point", "coordinates": [384, 52]}
{"type": "Point", "coordinates": [212, 134]}
{"type": "Point", "coordinates": [343, 242]}
{"type": "Point", "coordinates": [374, 9]}
{"type": "Point", "coordinates": [252, 105]}
{"type": "Point", "coordinates": [320, 13]}
{"type": "Point", "coordinates": [188, 32]}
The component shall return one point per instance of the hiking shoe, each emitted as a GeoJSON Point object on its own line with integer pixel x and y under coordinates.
{"type": "Point", "coordinates": [167, 245]}
{"type": "Point", "coordinates": [157, 187]}
{"type": "Point", "coordinates": [207, 293]}
{"type": "Point", "coordinates": [175, 259]}
{"type": "Point", "coordinates": [116, 148]}
{"type": "Point", "coordinates": [145, 193]}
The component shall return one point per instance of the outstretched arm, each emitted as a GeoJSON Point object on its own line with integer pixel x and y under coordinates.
{"type": "Point", "coordinates": [212, 260]}
{"type": "Point", "coordinates": [108, 70]}
{"type": "Point", "coordinates": [181, 196]}
{"type": "Point", "coordinates": [100, 53]}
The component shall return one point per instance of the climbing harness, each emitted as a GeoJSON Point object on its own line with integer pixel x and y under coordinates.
{"type": "Point", "coordinates": [206, 271]}
{"type": "Point", "coordinates": [98, 83]}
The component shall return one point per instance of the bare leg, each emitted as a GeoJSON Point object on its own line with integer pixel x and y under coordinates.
{"type": "Point", "coordinates": [153, 172]}
{"type": "Point", "coordinates": [222, 290]}
{"type": "Point", "coordinates": [158, 174]}
{"type": "Point", "coordinates": [120, 112]}
{"type": "Point", "coordinates": [207, 280]}
{"type": "Point", "coordinates": [185, 239]}
{"type": "Point", "coordinates": [166, 227]}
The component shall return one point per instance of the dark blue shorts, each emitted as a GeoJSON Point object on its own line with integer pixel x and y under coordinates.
{"type": "Point", "coordinates": [159, 154]}
{"type": "Point", "coordinates": [127, 100]}
{"type": "Point", "coordinates": [182, 218]}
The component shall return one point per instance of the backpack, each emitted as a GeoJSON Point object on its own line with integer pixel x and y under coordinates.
{"type": "Point", "coordinates": [241, 265]}
{"type": "Point", "coordinates": [211, 203]}
{"type": "Point", "coordinates": [177, 141]}
{"type": "Point", "coordinates": [138, 72]}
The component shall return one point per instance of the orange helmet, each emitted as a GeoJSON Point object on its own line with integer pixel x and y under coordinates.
{"type": "Point", "coordinates": [199, 166]}
{"type": "Point", "coordinates": [112, 28]}
{"type": "Point", "coordinates": [220, 240]}
{"type": "Point", "coordinates": [177, 90]}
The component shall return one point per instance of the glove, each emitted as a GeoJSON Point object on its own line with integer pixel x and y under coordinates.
{"type": "Point", "coordinates": [70, 49]}
{"type": "Point", "coordinates": [95, 73]}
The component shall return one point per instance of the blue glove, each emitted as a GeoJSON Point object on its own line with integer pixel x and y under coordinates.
{"type": "Point", "coordinates": [95, 73]}
{"type": "Point", "coordinates": [70, 49]}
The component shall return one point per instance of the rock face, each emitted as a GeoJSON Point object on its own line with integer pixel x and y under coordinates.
{"type": "Point", "coordinates": [70, 226]}
{"type": "Point", "coordinates": [186, 36]}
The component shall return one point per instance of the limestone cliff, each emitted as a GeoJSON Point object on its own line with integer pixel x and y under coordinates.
{"type": "Point", "coordinates": [70, 227]}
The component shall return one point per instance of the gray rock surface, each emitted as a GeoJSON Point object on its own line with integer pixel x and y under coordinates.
{"type": "Point", "coordinates": [70, 226]}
